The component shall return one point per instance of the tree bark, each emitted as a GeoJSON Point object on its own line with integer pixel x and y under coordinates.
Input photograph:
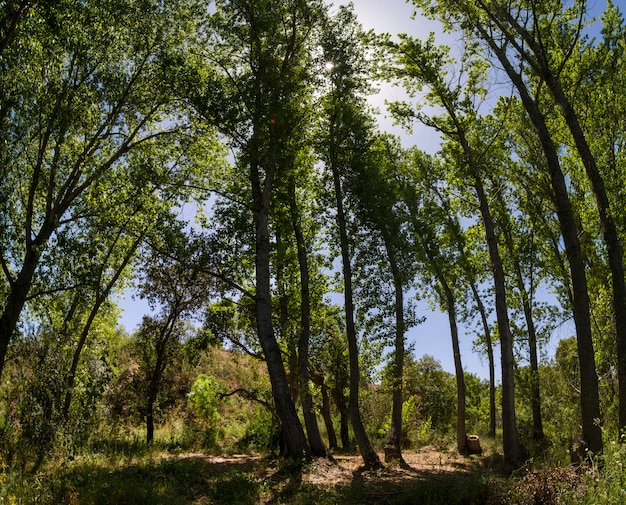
{"type": "Point", "coordinates": [393, 444]}
{"type": "Point", "coordinates": [310, 420]}
{"type": "Point", "coordinates": [293, 372]}
{"type": "Point", "coordinates": [492, 368]}
{"type": "Point", "coordinates": [326, 413]}
{"type": "Point", "coordinates": [296, 444]}
{"type": "Point", "coordinates": [609, 230]}
{"type": "Point", "coordinates": [461, 431]}
{"type": "Point", "coordinates": [589, 397]}
{"type": "Point", "coordinates": [370, 458]}
{"type": "Point", "coordinates": [344, 416]}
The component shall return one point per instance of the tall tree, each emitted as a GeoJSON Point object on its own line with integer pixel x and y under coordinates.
{"type": "Point", "coordinates": [547, 62]}
{"type": "Point", "coordinates": [344, 138]}
{"type": "Point", "coordinates": [256, 97]}
{"type": "Point", "coordinates": [428, 224]}
{"type": "Point", "coordinates": [495, 23]}
{"type": "Point", "coordinates": [79, 110]}
{"type": "Point", "coordinates": [380, 221]}
{"type": "Point", "coordinates": [423, 64]}
{"type": "Point", "coordinates": [522, 257]}
{"type": "Point", "coordinates": [174, 284]}
{"type": "Point", "coordinates": [310, 419]}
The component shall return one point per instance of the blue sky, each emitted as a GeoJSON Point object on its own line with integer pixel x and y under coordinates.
{"type": "Point", "coordinates": [433, 336]}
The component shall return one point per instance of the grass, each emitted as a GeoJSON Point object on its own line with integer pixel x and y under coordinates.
{"type": "Point", "coordinates": [197, 480]}
{"type": "Point", "coordinates": [432, 478]}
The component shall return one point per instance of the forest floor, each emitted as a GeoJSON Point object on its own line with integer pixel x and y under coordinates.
{"type": "Point", "coordinates": [430, 477]}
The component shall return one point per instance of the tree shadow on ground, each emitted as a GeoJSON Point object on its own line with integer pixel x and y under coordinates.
{"type": "Point", "coordinates": [252, 479]}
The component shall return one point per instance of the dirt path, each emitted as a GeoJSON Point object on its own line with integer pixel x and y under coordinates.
{"type": "Point", "coordinates": [342, 480]}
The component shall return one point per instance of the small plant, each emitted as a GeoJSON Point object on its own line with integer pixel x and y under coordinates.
{"type": "Point", "coordinates": [204, 396]}
{"type": "Point", "coordinates": [606, 480]}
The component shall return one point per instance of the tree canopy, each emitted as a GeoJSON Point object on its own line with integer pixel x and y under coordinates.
{"type": "Point", "coordinates": [314, 232]}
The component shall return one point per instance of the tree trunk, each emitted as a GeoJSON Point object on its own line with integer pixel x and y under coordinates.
{"type": "Point", "coordinates": [295, 441]}
{"type": "Point", "coordinates": [526, 298]}
{"type": "Point", "coordinates": [492, 368]}
{"type": "Point", "coordinates": [455, 227]}
{"type": "Point", "coordinates": [310, 420]}
{"type": "Point", "coordinates": [609, 230]}
{"type": "Point", "coordinates": [370, 458]}
{"type": "Point", "coordinates": [293, 372]}
{"type": "Point", "coordinates": [535, 395]}
{"type": "Point", "coordinates": [344, 427]}
{"type": "Point", "coordinates": [344, 416]}
{"type": "Point", "coordinates": [393, 445]}
{"type": "Point", "coordinates": [150, 420]}
{"type": "Point", "coordinates": [510, 441]}
{"type": "Point", "coordinates": [589, 397]}
{"type": "Point", "coordinates": [461, 431]}
{"type": "Point", "coordinates": [328, 418]}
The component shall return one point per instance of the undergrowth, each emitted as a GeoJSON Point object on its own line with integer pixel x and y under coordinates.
{"type": "Point", "coordinates": [163, 478]}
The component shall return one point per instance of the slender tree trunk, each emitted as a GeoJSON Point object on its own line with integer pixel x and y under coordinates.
{"type": "Point", "coordinates": [326, 414]}
{"type": "Point", "coordinates": [461, 431]}
{"type": "Point", "coordinates": [344, 428]}
{"type": "Point", "coordinates": [609, 230]}
{"type": "Point", "coordinates": [492, 368]}
{"type": "Point", "coordinates": [510, 440]}
{"type": "Point", "coordinates": [297, 446]}
{"type": "Point", "coordinates": [370, 458]}
{"type": "Point", "coordinates": [393, 445]}
{"type": "Point", "coordinates": [20, 286]}
{"type": "Point", "coordinates": [293, 372]}
{"type": "Point", "coordinates": [526, 298]}
{"type": "Point", "coordinates": [455, 228]}
{"type": "Point", "coordinates": [589, 397]}
{"type": "Point", "coordinates": [152, 392]}
{"type": "Point", "coordinates": [535, 395]}
{"type": "Point", "coordinates": [150, 419]}
{"type": "Point", "coordinates": [328, 421]}
{"type": "Point", "coordinates": [344, 416]}
{"type": "Point", "coordinates": [310, 420]}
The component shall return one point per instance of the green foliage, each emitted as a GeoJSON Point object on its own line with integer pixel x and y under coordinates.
{"type": "Point", "coordinates": [434, 391]}
{"type": "Point", "coordinates": [97, 148]}
{"type": "Point", "coordinates": [204, 398]}
{"type": "Point", "coordinates": [607, 481]}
